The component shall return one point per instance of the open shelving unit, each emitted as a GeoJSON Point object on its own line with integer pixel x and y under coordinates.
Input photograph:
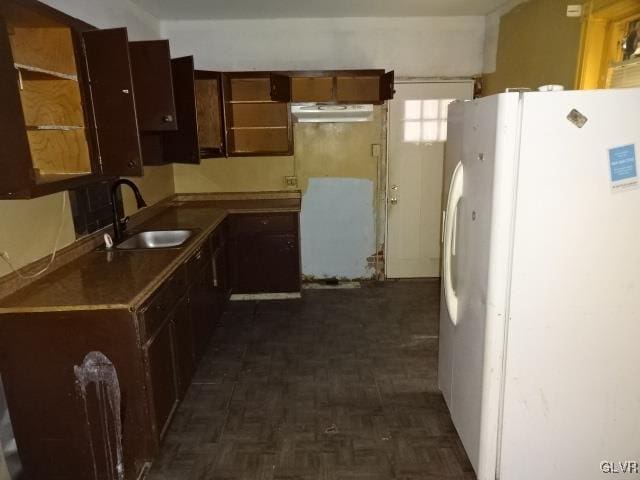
{"type": "Point", "coordinates": [209, 112]}
{"type": "Point", "coordinates": [46, 73]}
{"type": "Point", "coordinates": [256, 124]}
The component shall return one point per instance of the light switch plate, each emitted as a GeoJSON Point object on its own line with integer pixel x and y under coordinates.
{"type": "Point", "coordinates": [375, 150]}
{"type": "Point", "coordinates": [291, 181]}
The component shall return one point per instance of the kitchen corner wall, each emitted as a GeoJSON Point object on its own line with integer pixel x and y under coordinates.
{"type": "Point", "coordinates": [537, 44]}
{"type": "Point", "coordinates": [342, 219]}
{"type": "Point", "coordinates": [29, 227]}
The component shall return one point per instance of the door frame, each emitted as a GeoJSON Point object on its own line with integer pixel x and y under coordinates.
{"type": "Point", "coordinates": [386, 159]}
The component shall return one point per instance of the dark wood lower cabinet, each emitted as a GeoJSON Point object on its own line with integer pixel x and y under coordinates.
{"type": "Point", "coordinates": [203, 309]}
{"type": "Point", "coordinates": [66, 433]}
{"type": "Point", "coordinates": [183, 345]}
{"type": "Point", "coordinates": [264, 253]}
{"type": "Point", "coordinates": [161, 370]}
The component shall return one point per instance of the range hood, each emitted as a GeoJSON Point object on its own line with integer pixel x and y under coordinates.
{"type": "Point", "coordinates": [331, 112]}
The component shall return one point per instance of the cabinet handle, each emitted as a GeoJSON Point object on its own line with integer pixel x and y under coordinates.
{"type": "Point", "coordinates": [199, 255]}
{"type": "Point", "coordinates": [131, 164]}
{"type": "Point", "coordinates": [167, 118]}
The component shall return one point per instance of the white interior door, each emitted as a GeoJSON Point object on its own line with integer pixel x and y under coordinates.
{"type": "Point", "coordinates": [417, 135]}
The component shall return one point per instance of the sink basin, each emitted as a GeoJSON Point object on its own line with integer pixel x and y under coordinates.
{"type": "Point", "coordinates": [155, 239]}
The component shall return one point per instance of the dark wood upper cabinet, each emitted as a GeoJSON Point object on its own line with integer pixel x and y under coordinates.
{"type": "Point", "coordinates": [113, 101]}
{"type": "Point", "coordinates": [256, 124]}
{"type": "Point", "coordinates": [209, 112]}
{"type": "Point", "coordinates": [312, 89]}
{"type": "Point", "coordinates": [341, 86]}
{"type": "Point", "coordinates": [182, 145]}
{"type": "Point", "coordinates": [46, 114]}
{"type": "Point", "coordinates": [280, 87]}
{"type": "Point", "coordinates": [387, 85]}
{"type": "Point", "coordinates": [153, 83]}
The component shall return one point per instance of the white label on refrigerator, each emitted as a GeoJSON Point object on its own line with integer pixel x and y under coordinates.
{"type": "Point", "coordinates": [622, 167]}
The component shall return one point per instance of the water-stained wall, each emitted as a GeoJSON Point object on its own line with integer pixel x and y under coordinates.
{"type": "Point", "coordinates": [337, 173]}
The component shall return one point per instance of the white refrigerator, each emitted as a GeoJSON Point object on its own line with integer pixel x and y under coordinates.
{"type": "Point", "coordinates": [540, 317]}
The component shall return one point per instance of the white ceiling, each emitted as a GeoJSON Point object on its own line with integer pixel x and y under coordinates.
{"type": "Point", "coordinates": [230, 9]}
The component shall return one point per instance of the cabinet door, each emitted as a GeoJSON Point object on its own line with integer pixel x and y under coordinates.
{"type": "Point", "coordinates": [112, 95]}
{"type": "Point", "coordinates": [182, 145]}
{"type": "Point", "coordinates": [221, 278]}
{"type": "Point", "coordinates": [183, 345]}
{"type": "Point", "coordinates": [281, 263]}
{"type": "Point", "coordinates": [280, 87]}
{"type": "Point", "coordinates": [312, 89]}
{"type": "Point", "coordinates": [387, 86]}
{"type": "Point", "coordinates": [210, 114]}
{"type": "Point", "coordinates": [162, 377]}
{"type": "Point", "coordinates": [247, 260]}
{"type": "Point", "coordinates": [15, 158]}
{"type": "Point", "coordinates": [203, 304]}
{"type": "Point", "coordinates": [153, 83]}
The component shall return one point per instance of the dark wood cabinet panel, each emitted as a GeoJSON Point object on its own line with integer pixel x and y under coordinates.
{"type": "Point", "coordinates": [387, 86]}
{"type": "Point", "coordinates": [328, 86]}
{"type": "Point", "coordinates": [182, 145]}
{"type": "Point", "coordinates": [14, 155]}
{"type": "Point", "coordinates": [280, 87]}
{"type": "Point", "coordinates": [203, 303]}
{"type": "Point", "coordinates": [210, 116]}
{"type": "Point", "coordinates": [39, 352]}
{"type": "Point", "coordinates": [183, 345]}
{"type": "Point", "coordinates": [153, 83]}
{"type": "Point", "coordinates": [281, 265]}
{"type": "Point", "coordinates": [312, 89]}
{"type": "Point", "coordinates": [264, 253]}
{"type": "Point", "coordinates": [162, 377]}
{"type": "Point", "coordinates": [113, 101]}
{"type": "Point", "coordinates": [221, 279]}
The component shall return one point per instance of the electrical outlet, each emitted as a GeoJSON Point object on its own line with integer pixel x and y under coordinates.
{"type": "Point", "coordinates": [291, 181]}
{"type": "Point", "coordinates": [574, 11]}
{"type": "Point", "coordinates": [375, 150]}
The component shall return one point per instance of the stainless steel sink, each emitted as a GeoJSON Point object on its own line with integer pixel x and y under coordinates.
{"type": "Point", "coordinates": [155, 239]}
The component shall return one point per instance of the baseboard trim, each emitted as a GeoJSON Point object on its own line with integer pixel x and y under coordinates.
{"type": "Point", "coordinates": [236, 297]}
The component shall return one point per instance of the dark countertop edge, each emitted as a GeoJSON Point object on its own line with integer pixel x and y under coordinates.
{"type": "Point", "coordinates": [138, 300]}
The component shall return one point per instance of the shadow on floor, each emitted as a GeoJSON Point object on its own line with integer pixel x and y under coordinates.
{"type": "Point", "coordinates": [339, 385]}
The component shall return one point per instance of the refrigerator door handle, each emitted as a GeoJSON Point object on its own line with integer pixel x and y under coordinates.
{"type": "Point", "coordinates": [455, 194]}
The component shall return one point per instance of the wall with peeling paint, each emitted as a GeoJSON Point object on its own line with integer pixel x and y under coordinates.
{"type": "Point", "coordinates": [330, 151]}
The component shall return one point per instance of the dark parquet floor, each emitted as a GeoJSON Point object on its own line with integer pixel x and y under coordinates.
{"type": "Point", "coordinates": [341, 385]}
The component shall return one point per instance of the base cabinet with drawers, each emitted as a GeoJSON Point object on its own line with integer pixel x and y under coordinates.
{"type": "Point", "coordinates": [264, 255]}
{"type": "Point", "coordinates": [65, 432]}
{"type": "Point", "coordinates": [62, 435]}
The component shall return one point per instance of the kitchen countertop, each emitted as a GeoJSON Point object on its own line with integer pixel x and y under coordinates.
{"type": "Point", "coordinates": [116, 279]}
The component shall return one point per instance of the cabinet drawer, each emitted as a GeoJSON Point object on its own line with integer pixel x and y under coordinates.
{"type": "Point", "coordinates": [163, 301]}
{"type": "Point", "coordinates": [271, 223]}
{"type": "Point", "coordinates": [198, 260]}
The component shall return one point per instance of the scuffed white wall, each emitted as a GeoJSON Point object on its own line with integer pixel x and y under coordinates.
{"type": "Point", "coordinates": [412, 46]}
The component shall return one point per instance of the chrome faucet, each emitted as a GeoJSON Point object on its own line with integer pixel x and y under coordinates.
{"type": "Point", "coordinates": [120, 225]}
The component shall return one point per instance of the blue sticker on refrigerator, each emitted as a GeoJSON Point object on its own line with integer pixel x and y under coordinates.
{"type": "Point", "coordinates": [622, 167]}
